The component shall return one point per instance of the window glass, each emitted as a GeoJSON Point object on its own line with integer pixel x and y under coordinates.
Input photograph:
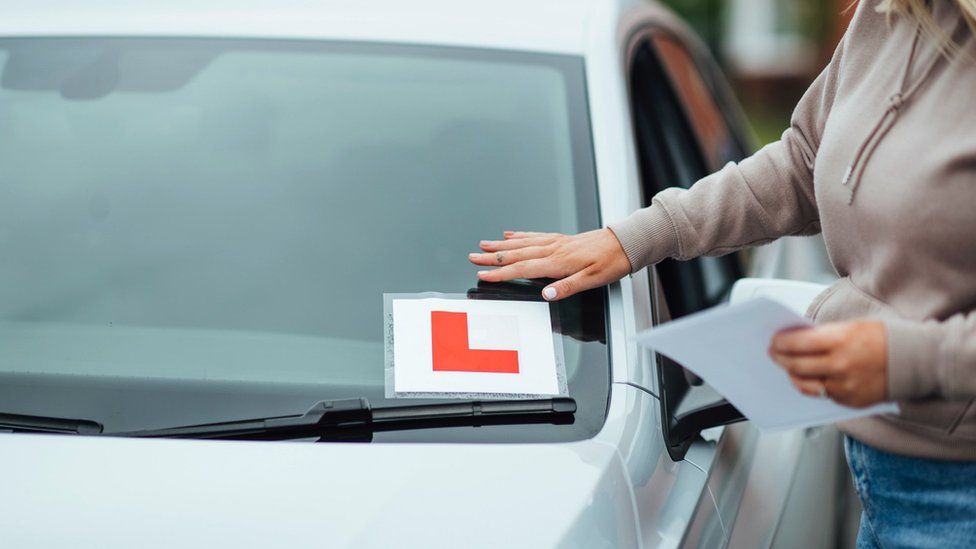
{"type": "Point", "coordinates": [682, 137]}
{"type": "Point", "coordinates": [202, 230]}
{"type": "Point", "coordinates": [703, 112]}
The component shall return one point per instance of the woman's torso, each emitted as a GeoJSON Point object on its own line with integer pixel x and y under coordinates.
{"type": "Point", "coordinates": [904, 242]}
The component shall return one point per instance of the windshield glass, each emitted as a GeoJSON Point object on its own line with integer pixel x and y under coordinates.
{"type": "Point", "coordinates": [203, 230]}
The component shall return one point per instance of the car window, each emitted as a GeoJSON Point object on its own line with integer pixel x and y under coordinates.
{"type": "Point", "coordinates": [681, 137]}
{"type": "Point", "coordinates": [203, 230]}
{"type": "Point", "coordinates": [710, 126]}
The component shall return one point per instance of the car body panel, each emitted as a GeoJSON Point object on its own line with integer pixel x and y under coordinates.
{"type": "Point", "coordinates": [440, 22]}
{"type": "Point", "coordinates": [671, 499]}
{"type": "Point", "coordinates": [166, 493]}
{"type": "Point", "coordinates": [116, 492]}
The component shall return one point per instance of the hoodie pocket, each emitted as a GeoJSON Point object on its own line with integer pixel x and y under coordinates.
{"type": "Point", "coordinates": [814, 309]}
{"type": "Point", "coordinates": [845, 301]}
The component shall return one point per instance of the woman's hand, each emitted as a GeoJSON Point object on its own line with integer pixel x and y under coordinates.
{"type": "Point", "coordinates": [582, 261]}
{"type": "Point", "coordinates": [848, 359]}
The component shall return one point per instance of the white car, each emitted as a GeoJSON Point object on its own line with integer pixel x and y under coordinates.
{"type": "Point", "coordinates": [202, 204]}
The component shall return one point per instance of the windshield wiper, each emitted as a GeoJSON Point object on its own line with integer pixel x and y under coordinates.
{"type": "Point", "coordinates": [355, 420]}
{"type": "Point", "coordinates": [43, 424]}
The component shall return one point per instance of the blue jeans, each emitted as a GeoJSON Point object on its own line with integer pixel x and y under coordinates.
{"type": "Point", "coordinates": [912, 502]}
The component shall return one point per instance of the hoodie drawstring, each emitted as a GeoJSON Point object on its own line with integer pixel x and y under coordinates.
{"type": "Point", "coordinates": [852, 176]}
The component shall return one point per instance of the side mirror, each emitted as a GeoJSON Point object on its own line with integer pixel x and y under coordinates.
{"type": "Point", "coordinates": [688, 407]}
{"type": "Point", "coordinates": [687, 410]}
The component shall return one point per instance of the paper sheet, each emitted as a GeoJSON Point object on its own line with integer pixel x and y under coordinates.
{"type": "Point", "coordinates": [727, 347]}
{"type": "Point", "coordinates": [462, 348]}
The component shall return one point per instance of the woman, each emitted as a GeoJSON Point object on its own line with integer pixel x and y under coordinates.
{"type": "Point", "coordinates": [881, 158]}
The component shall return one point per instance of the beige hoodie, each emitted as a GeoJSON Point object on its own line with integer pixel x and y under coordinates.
{"type": "Point", "coordinates": [881, 158]}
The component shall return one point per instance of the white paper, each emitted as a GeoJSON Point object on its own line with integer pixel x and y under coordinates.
{"type": "Point", "coordinates": [727, 347]}
{"type": "Point", "coordinates": [523, 326]}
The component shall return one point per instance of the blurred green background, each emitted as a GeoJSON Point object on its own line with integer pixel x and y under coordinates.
{"type": "Point", "coordinates": [769, 49]}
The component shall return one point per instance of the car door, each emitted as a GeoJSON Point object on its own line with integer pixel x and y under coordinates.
{"type": "Point", "coordinates": [686, 126]}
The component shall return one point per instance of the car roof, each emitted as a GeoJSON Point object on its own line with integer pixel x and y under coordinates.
{"type": "Point", "coordinates": [557, 26]}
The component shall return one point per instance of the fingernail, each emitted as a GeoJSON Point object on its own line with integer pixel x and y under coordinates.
{"type": "Point", "coordinates": [508, 233]}
{"type": "Point", "coordinates": [485, 242]}
{"type": "Point", "coordinates": [482, 273]}
{"type": "Point", "coordinates": [549, 293]}
{"type": "Point", "coordinates": [473, 255]}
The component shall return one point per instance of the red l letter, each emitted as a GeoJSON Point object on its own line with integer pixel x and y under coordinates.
{"type": "Point", "coordinates": [449, 335]}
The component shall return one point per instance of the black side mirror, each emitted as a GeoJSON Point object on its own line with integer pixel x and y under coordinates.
{"type": "Point", "coordinates": [687, 409]}
{"type": "Point", "coordinates": [688, 406]}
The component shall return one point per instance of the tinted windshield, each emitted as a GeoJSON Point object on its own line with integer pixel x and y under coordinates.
{"type": "Point", "coordinates": [202, 230]}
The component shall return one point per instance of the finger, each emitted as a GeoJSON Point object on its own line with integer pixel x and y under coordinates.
{"type": "Point", "coordinates": [804, 341]}
{"type": "Point", "coordinates": [532, 268]}
{"type": "Point", "coordinates": [807, 386]}
{"type": "Point", "coordinates": [510, 235]}
{"type": "Point", "coordinates": [501, 245]}
{"type": "Point", "coordinates": [844, 391]}
{"type": "Point", "coordinates": [805, 365]}
{"type": "Point", "coordinates": [499, 259]}
{"type": "Point", "coordinates": [573, 284]}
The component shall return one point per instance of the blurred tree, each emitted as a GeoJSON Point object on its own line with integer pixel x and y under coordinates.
{"type": "Point", "coordinates": [811, 19]}
{"type": "Point", "coordinates": [770, 49]}
{"type": "Point", "coordinates": [706, 17]}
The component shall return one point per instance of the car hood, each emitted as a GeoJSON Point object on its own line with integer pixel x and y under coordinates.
{"type": "Point", "coordinates": [88, 492]}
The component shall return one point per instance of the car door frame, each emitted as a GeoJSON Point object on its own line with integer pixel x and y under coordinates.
{"type": "Point", "coordinates": [669, 149]}
{"type": "Point", "coordinates": [738, 463]}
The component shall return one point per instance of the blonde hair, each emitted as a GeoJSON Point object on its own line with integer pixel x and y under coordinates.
{"type": "Point", "coordinates": [920, 11]}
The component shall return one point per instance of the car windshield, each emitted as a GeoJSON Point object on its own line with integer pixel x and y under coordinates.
{"type": "Point", "coordinates": [203, 230]}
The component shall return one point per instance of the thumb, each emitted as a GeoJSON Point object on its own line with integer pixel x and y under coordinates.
{"type": "Point", "coordinates": [571, 285]}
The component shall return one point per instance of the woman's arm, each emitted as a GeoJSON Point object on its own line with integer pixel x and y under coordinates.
{"type": "Point", "coordinates": [932, 358]}
{"type": "Point", "coordinates": [764, 197]}
{"type": "Point", "coordinates": [760, 199]}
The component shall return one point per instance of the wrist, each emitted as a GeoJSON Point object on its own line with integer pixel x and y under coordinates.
{"type": "Point", "coordinates": [647, 236]}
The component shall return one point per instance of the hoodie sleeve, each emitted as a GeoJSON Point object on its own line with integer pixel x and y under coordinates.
{"type": "Point", "coordinates": [932, 358]}
{"type": "Point", "coordinates": [760, 199]}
